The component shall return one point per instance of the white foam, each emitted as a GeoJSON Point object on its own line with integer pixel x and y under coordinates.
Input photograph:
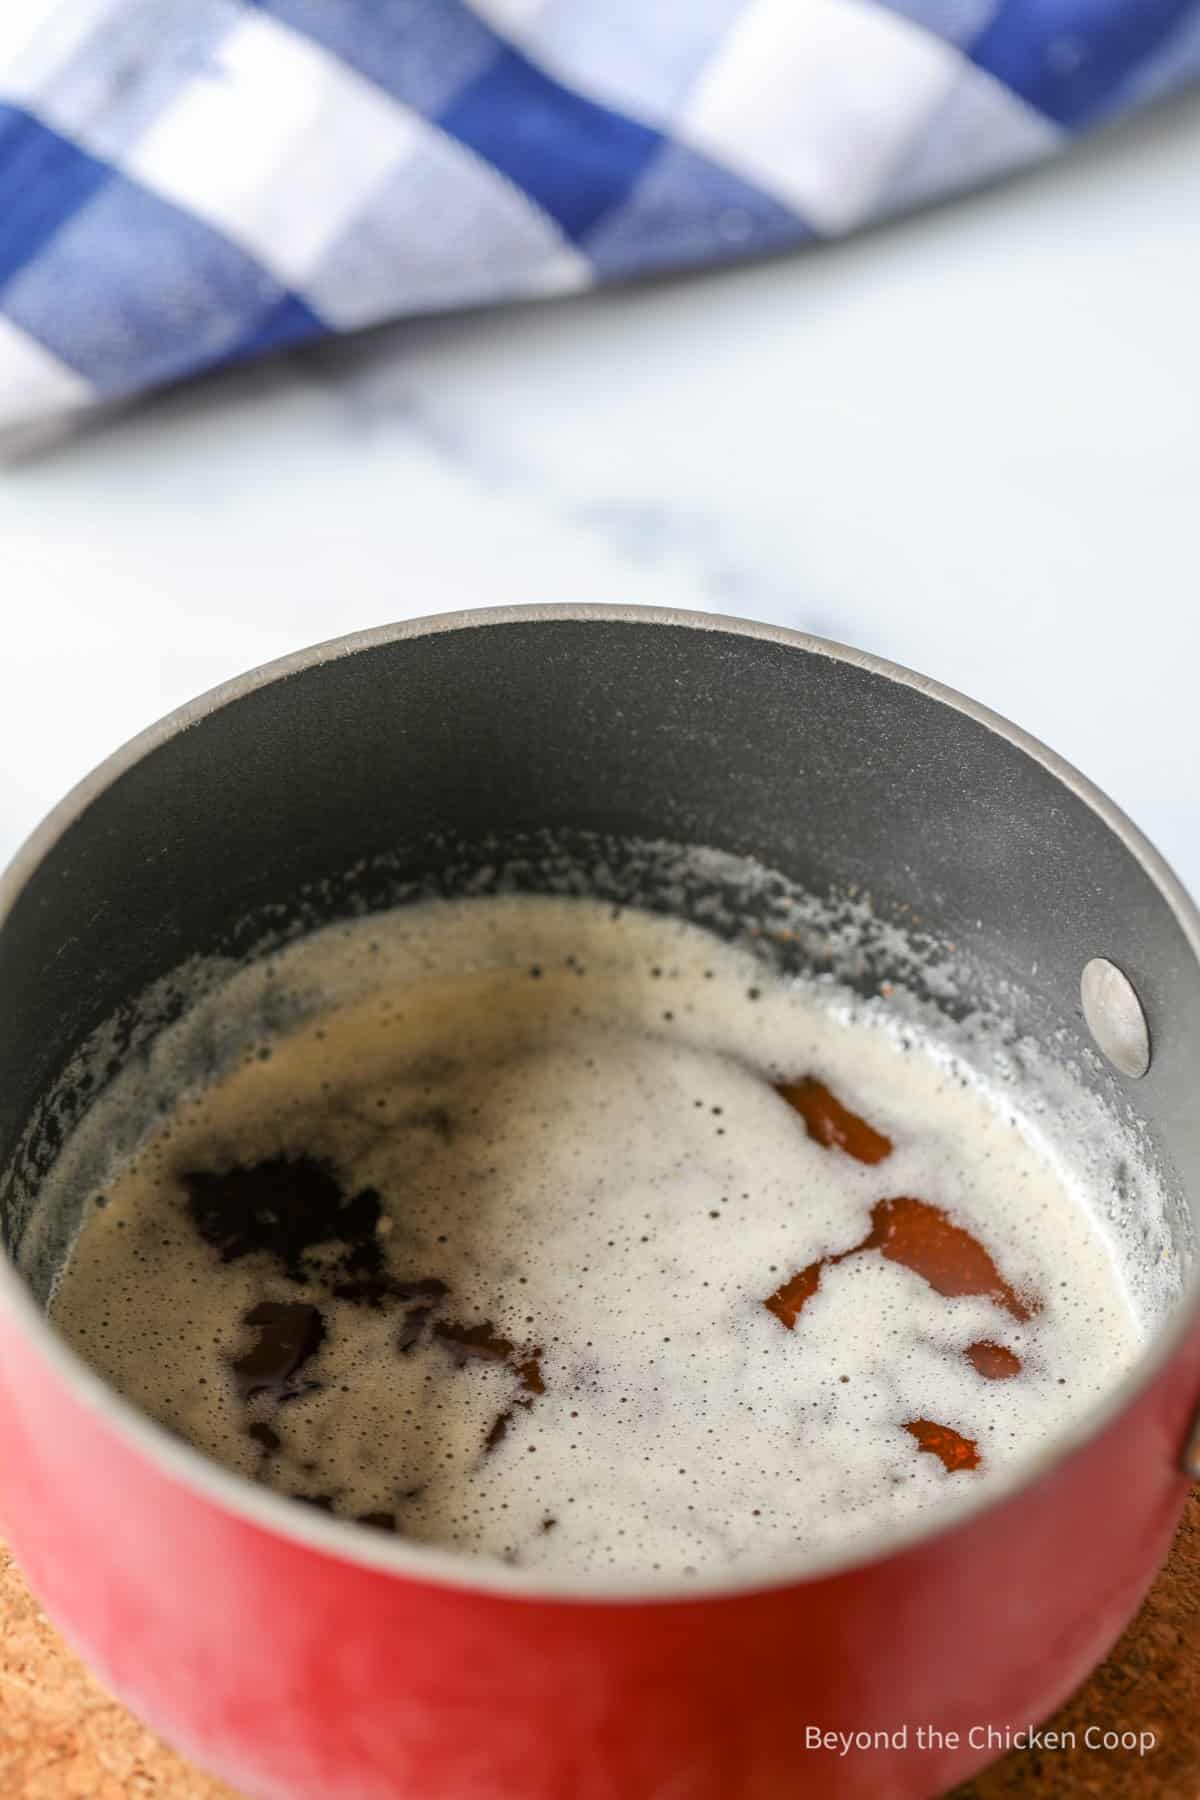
{"type": "Point", "coordinates": [621, 1188]}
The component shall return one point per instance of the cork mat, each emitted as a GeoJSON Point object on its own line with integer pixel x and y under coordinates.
{"type": "Point", "coordinates": [63, 1738]}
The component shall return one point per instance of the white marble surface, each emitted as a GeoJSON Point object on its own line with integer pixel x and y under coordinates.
{"type": "Point", "coordinates": [969, 442]}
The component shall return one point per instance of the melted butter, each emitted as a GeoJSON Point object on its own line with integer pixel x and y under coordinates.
{"type": "Point", "coordinates": [562, 1167]}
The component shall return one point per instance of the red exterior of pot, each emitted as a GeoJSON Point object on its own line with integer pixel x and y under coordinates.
{"type": "Point", "coordinates": [296, 1675]}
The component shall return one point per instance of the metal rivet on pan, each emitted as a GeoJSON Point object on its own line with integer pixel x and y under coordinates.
{"type": "Point", "coordinates": [1114, 1016]}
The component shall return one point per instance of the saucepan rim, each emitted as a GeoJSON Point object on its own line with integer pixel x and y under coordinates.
{"type": "Point", "coordinates": [351, 1543]}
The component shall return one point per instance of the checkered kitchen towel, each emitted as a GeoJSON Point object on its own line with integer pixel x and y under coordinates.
{"type": "Point", "coordinates": [188, 182]}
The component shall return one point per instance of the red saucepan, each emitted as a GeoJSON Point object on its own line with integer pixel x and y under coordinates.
{"type": "Point", "coordinates": [303, 1658]}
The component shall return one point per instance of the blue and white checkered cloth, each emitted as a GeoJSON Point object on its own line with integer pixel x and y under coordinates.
{"type": "Point", "coordinates": [184, 183]}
